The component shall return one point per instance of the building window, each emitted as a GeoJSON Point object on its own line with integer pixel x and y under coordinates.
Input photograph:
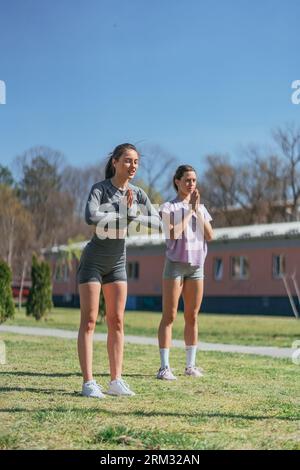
{"type": "Point", "coordinates": [218, 269]}
{"type": "Point", "coordinates": [61, 271]}
{"type": "Point", "coordinates": [133, 270]}
{"type": "Point", "coordinates": [278, 266]}
{"type": "Point", "coordinates": [239, 267]}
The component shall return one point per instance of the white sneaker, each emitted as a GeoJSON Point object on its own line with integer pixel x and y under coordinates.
{"type": "Point", "coordinates": [194, 371]}
{"type": "Point", "coordinates": [165, 373]}
{"type": "Point", "coordinates": [92, 389]}
{"type": "Point", "coordinates": [119, 387]}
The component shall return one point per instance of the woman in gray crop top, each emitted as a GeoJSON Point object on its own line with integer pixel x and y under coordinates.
{"type": "Point", "coordinates": [111, 205]}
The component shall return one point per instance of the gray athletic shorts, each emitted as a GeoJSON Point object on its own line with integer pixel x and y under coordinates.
{"type": "Point", "coordinates": [94, 266]}
{"type": "Point", "coordinates": [178, 270]}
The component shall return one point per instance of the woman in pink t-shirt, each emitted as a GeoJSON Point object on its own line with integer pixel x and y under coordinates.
{"type": "Point", "coordinates": [187, 229]}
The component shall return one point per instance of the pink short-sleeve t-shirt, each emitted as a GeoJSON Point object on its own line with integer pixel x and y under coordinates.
{"type": "Point", "coordinates": [191, 247]}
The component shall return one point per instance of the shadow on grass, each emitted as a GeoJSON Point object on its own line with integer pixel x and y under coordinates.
{"type": "Point", "coordinates": [67, 374]}
{"type": "Point", "coordinates": [39, 390]}
{"type": "Point", "coordinates": [149, 414]}
{"type": "Point", "coordinates": [42, 374]}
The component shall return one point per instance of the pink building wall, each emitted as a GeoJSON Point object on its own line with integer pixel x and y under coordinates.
{"type": "Point", "coordinates": [150, 274]}
{"type": "Point", "coordinates": [261, 280]}
{"type": "Point", "coordinates": [69, 286]}
{"type": "Point", "coordinates": [260, 283]}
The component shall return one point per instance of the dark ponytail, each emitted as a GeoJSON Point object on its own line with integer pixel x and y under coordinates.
{"type": "Point", "coordinates": [115, 155]}
{"type": "Point", "coordinates": [180, 172]}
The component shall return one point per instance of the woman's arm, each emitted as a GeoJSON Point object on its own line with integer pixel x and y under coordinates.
{"type": "Point", "coordinates": [148, 215]}
{"type": "Point", "coordinates": [205, 226]}
{"type": "Point", "coordinates": [109, 220]}
{"type": "Point", "coordinates": [95, 212]}
{"type": "Point", "coordinates": [177, 229]}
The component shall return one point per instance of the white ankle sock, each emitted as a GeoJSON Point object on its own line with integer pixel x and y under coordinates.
{"type": "Point", "coordinates": [164, 357]}
{"type": "Point", "coordinates": [191, 355]}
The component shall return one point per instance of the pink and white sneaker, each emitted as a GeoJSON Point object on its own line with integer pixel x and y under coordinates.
{"type": "Point", "coordinates": [194, 371]}
{"type": "Point", "coordinates": [165, 373]}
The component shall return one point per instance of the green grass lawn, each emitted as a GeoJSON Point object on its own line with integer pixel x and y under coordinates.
{"type": "Point", "coordinates": [231, 329]}
{"type": "Point", "coordinates": [243, 402]}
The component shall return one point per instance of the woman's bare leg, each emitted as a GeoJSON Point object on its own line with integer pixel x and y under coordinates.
{"type": "Point", "coordinates": [192, 295]}
{"type": "Point", "coordinates": [89, 307]}
{"type": "Point", "coordinates": [115, 294]}
{"type": "Point", "coordinates": [171, 292]}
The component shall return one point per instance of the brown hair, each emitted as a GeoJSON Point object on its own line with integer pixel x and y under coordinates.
{"type": "Point", "coordinates": [180, 172]}
{"type": "Point", "coordinates": [116, 155]}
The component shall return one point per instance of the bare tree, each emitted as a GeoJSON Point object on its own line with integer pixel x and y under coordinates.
{"type": "Point", "coordinates": [288, 140]}
{"type": "Point", "coordinates": [156, 171]}
{"type": "Point", "coordinates": [218, 188]}
{"type": "Point", "coordinates": [12, 215]}
{"type": "Point", "coordinates": [24, 246]}
{"type": "Point", "coordinates": [253, 191]}
{"type": "Point", "coordinates": [261, 187]}
{"type": "Point", "coordinates": [40, 191]}
{"type": "Point", "coordinates": [55, 158]}
{"type": "Point", "coordinates": [17, 234]}
{"type": "Point", "coordinates": [78, 181]}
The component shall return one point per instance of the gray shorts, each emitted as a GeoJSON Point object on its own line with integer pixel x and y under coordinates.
{"type": "Point", "coordinates": [94, 266]}
{"type": "Point", "coordinates": [183, 271]}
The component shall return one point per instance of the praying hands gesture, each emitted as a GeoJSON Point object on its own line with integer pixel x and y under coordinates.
{"type": "Point", "coordinates": [129, 195]}
{"type": "Point", "coordinates": [195, 200]}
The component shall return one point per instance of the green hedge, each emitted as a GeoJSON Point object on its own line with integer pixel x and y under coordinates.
{"type": "Point", "coordinates": [39, 301]}
{"type": "Point", "coordinates": [7, 308]}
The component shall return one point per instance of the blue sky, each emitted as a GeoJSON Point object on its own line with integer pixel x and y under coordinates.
{"type": "Point", "coordinates": [194, 76]}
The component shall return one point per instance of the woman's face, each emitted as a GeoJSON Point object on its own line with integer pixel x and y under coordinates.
{"type": "Point", "coordinates": [127, 164]}
{"type": "Point", "coordinates": [187, 183]}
